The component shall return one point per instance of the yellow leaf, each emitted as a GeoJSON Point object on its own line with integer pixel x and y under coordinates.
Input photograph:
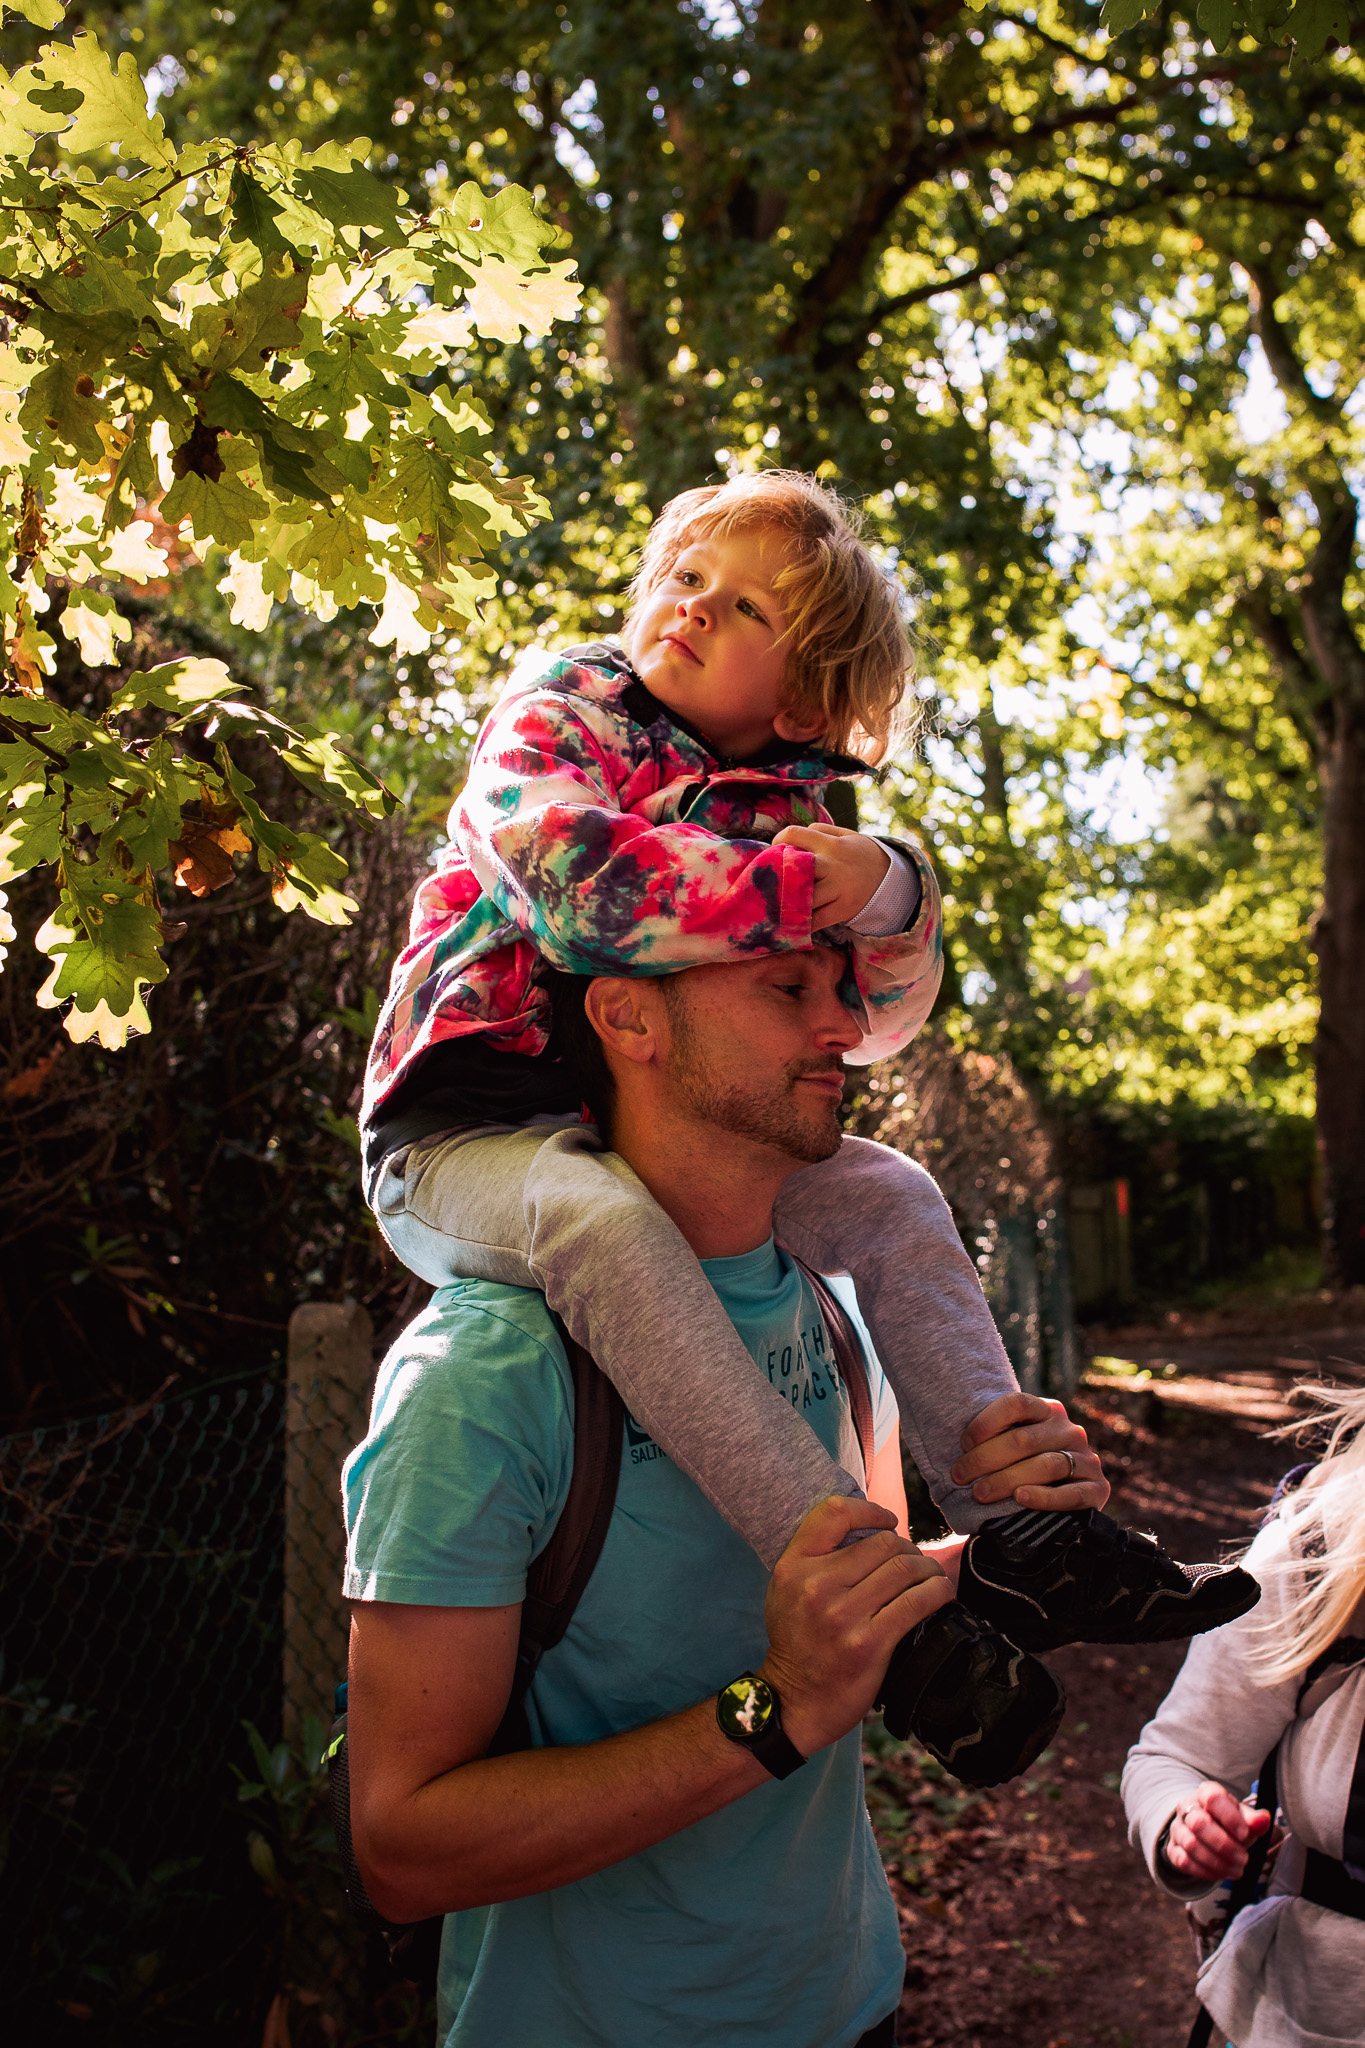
{"type": "Point", "coordinates": [70, 505]}
{"type": "Point", "coordinates": [504, 299]}
{"type": "Point", "coordinates": [398, 620]}
{"type": "Point", "coordinates": [131, 553]}
{"type": "Point", "coordinates": [113, 102]}
{"type": "Point", "coordinates": [441, 328]}
{"type": "Point", "coordinates": [15, 451]}
{"type": "Point", "coordinates": [251, 601]}
{"type": "Point", "coordinates": [96, 633]}
{"type": "Point", "coordinates": [80, 1026]}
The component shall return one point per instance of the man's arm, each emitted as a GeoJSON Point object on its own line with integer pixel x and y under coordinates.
{"type": "Point", "coordinates": [439, 1826]}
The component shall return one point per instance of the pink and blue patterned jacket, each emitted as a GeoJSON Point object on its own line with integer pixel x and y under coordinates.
{"type": "Point", "coordinates": [597, 832]}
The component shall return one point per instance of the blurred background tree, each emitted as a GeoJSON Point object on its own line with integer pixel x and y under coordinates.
{"type": "Point", "coordinates": [1078, 318]}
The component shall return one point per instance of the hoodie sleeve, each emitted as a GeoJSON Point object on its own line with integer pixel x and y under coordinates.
{"type": "Point", "coordinates": [896, 976]}
{"type": "Point", "coordinates": [596, 888]}
{"type": "Point", "coordinates": [1218, 1720]}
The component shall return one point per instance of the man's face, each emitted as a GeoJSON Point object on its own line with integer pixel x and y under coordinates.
{"type": "Point", "coordinates": [757, 1050]}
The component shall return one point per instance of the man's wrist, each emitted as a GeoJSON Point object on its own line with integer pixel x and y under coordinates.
{"type": "Point", "coordinates": [749, 1714]}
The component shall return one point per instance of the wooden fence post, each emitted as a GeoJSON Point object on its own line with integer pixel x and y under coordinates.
{"type": "Point", "coordinates": [331, 1372]}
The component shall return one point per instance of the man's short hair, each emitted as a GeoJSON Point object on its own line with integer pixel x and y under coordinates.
{"type": "Point", "coordinates": [577, 1045]}
{"type": "Point", "coordinates": [850, 656]}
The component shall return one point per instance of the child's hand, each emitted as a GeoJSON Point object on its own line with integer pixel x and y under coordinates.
{"type": "Point", "coordinates": [849, 869]}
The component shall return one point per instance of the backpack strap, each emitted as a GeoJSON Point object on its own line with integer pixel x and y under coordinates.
{"type": "Point", "coordinates": [850, 1359]}
{"type": "Point", "coordinates": [558, 1578]}
{"type": "Point", "coordinates": [1243, 1891]}
{"type": "Point", "coordinates": [554, 1586]}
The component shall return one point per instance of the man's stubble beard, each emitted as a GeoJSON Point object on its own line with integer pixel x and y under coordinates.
{"type": "Point", "coordinates": [746, 1111]}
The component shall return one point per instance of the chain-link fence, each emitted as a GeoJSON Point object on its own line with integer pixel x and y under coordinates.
{"type": "Point", "coordinates": [168, 1574]}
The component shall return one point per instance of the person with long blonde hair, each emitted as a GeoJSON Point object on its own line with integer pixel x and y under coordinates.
{"type": "Point", "coordinates": [1276, 1696]}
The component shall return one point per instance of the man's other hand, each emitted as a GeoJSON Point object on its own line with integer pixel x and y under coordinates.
{"type": "Point", "coordinates": [849, 869]}
{"type": "Point", "coordinates": [1023, 1445]}
{"type": "Point", "coordinates": [836, 1613]}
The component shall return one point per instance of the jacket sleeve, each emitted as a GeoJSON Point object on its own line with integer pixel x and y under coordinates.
{"type": "Point", "coordinates": [897, 977]}
{"type": "Point", "coordinates": [1218, 1720]}
{"type": "Point", "coordinates": [598, 889]}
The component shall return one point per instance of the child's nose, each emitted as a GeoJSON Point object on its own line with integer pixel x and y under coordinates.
{"type": "Point", "coordinates": [694, 608]}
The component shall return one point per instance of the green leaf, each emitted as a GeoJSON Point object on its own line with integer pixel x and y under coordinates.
{"type": "Point", "coordinates": [504, 299]}
{"type": "Point", "coordinates": [308, 882]}
{"type": "Point", "coordinates": [94, 622]}
{"type": "Point", "coordinates": [503, 223]}
{"type": "Point", "coordinates": [113, 102]}
{"type": "Point", "coordinates": [174, 686]}
{"type": "Point", "coordinates": [1311, 24]}
{"type": "Point", "coordinates": [348, 195]}
{"type": "Point", "coordinates": [152, 818]}
{"type": "Point", "coordinates": [42, 13]}
{"type": "Point", "coordinates": [322, 765]}
{"type": "Point", "coordinates": [1119, 15]}
{"type": "Point", "coordinates": [93, 975]}
{"type": "Point", "coordinates": [255, 215]}
{"type": "Point", "coordinates": [292, 461]}
{"type": "Point", "coordinates": [1217, 18]}
{"type": "Point", "coordinates": [135, 476]}
{"type": "Point", "coordinates": [226, 511]}
{"type": "Point", "coordinates": [31, 836]}
{"type": "Point", "coordinates": [73, 416]}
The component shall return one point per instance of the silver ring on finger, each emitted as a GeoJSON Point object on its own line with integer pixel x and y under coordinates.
{"type": "Point", "coordinates": [1070, 1457]}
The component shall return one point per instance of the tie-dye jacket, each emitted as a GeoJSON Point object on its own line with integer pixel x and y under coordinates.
{"type": "Point", "coordinates": [596, 832]}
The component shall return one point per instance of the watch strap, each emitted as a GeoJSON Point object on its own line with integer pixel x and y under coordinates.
{"type": "Point", "coordinates": [769, 1744]}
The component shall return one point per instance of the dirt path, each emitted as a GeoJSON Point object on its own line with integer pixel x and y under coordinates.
{"type": "Point", "coordinates": [1028, 1921]}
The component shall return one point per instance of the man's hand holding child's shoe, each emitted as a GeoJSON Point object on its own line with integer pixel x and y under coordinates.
{"type": "Point", "coordinates": [836, 1611]}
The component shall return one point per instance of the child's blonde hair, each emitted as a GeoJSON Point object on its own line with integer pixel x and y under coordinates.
{"type": "Point", "coordinates": [851, 656]}
{"type": "Point", "coordinates": [1330, 1513]}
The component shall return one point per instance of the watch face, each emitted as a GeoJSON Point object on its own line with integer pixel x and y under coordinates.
{"type": "Point", "coordinates": [745, 1708]}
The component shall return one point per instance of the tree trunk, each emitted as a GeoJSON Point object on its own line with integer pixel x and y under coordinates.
{"type": "Point", "coordinates": [1339, 941]}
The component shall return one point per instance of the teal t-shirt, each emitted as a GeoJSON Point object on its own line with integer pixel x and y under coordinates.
{"type": "Point", "coordinates": [769, 1921]}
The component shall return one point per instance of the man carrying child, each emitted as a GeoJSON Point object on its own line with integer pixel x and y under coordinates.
{"type": "Point", "coordinates": [650, 816]}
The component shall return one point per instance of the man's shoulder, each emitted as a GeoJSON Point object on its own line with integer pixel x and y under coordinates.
{"type": "Point", "coordinates": [468, 1454]}
{"type": "Point", "coordinates": [476, 1343]}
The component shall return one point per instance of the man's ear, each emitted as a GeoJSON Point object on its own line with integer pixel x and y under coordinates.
{"type": "Point", "coordinates": [619, 1011]}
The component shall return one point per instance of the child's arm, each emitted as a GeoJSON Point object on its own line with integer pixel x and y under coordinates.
{"type": "Point", "coordinates": [896, 974]}
{"type": "Point", "coordinates": [598, 889]}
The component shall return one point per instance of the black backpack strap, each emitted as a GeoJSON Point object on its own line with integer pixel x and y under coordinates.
{"type": "Point", "coordinates": [848, 1356]}
{"type": "Point", "coordinates": [1243, 1891]}
{"type": "Point", "coordinates": [558, 1578]}
{"type": "Point", "coordinates": [555, 1584]}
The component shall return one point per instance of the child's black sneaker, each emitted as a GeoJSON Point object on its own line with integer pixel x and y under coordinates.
{"type": "Point", "coordinates": [982, 1707]}
{"type": "Point", "coordinates": [1045, 1579]}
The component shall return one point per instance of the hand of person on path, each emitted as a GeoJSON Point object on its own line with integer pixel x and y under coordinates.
{"type": "Point", "coordinates": [1023, 1445]}
{"type": "Point", "coordinates": [835, 1615]}
{"type": "Point", "coordinates": [1211, 1834]}
{"type": "Point", "coordinates": [849, 869]}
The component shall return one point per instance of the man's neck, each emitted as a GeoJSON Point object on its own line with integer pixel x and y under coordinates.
{"type": "Point", "coordinates": [718, 1188]}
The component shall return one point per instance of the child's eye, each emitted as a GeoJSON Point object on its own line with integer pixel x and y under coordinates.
{"type": "Point", "coordinates": [745, 605]}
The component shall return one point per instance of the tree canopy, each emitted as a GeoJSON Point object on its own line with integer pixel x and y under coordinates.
{"type": "Point", "coordinates": [1076, 315]}
{"type": "Point", "coordinates": [236, 347]}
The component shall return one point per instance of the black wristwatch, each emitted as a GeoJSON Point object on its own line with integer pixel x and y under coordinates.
{"type": "Point", "coordinates": [748, 1712]}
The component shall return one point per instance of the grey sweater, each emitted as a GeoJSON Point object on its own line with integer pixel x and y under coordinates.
{"type": "Point", "coordinates": [1288, 1974]}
